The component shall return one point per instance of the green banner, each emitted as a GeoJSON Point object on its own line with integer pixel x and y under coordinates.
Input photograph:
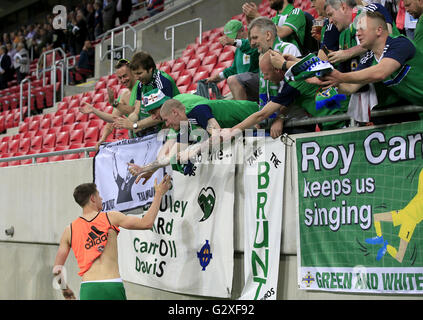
{"type": "Point", "coordinates": [360, 206]}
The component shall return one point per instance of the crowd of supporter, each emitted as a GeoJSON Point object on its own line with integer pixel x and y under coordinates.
{"type": "Point", "coordinates": [358, 78]}
{"type": "Point", "coordinates": [85, 21]}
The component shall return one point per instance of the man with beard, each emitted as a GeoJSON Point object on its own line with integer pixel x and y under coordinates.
{"type": "Point", "coordinates": [415, 8]}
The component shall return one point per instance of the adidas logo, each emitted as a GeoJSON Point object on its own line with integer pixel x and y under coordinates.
{"type": "Point", "coordinates": [95, 237]}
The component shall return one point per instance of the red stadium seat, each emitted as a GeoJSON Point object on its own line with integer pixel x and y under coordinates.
{"type": "Point", "coordinates": [4, 147]}
{"type": "Point", "coordinates": [49, 140]}
{"type": "Point", "coordinates": [81, 117]}
{"type": "Point", "coordinates": [91, 134]}
{"type": "Point", "coordinates": [202, 49]}
{"type": "Point", "coordinates": [100, 85]}
{"type": "Point", "coordinates": [166, 68]}
{"type": "Point", "coordinates": [178, 66]}
{"type": "Point", "coordinates": [45, 123]}
{"type": "Point", "coordinates": [69, 119]}
{"type": "Point", "coordinates": [184, 80]}
{"type": "Point", "coordinates": [209, 68]}
{"type": "Point", "coordinates": [76, 136]}
{"type": "Point", "coordinates": [57, 121]}
{"type": "Point", "coordinates": [71, 156]}
{"type": "Point", "coordinates": [188, 52]}
{"type": "Point", "coordinates": [199, 76]}
{"type": "Point", "coordinates": [62, 138]}
{"type": "Point", "coordinates": [209, 60]}
{"type": "Point", "coordinates": [37, 143]}
{"type": "Point", "coordinates": [97, 123]}
{"type": "Point", "coordinates": [190, 72]}
{"type": "Point", "coordinates": [23, 127]}
{"type": "Point", "coordinates": [98, 97]}
{"type": "Point", "coordinates": [80, 126]}
{"type": "Point", "coordinates": [74, 103]}
{"type": "Point", "coordinates": [225, 56]}
{"type": "Point", "coordinates": [24, 145]}
{"type": "Point", "coordinates": [193, 63]}
{"type": "Point", "coordinates": [55, 158]}
{"type": "Point", "coordinates": [13, 146]}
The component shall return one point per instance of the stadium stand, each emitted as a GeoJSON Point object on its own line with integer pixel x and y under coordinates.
{"type": "Point", "coordinates": [67, 128]}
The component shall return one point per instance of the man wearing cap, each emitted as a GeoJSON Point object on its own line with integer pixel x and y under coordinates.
{"type": "Point", "coordinates": [242, 76]}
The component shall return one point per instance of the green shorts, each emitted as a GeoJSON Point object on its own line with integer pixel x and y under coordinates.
{"type": "Point", "coordinates": [99, 290]}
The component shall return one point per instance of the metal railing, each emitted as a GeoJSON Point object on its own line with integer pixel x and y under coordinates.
{"type": "Point", "coordinates": [52, 69]}
{"type": "Point", "coordinates": [69, 66]}
{"type": "Point", "coordinates": [26, 80]}
{"type": "Point", "coordinates": [86, 152]}
{"type": "Point", "coordinates": [172, 28]}
{"type": "Point", "coordinates": [113, 33]}
{"type": "Point", "coordinates": [291, 123]}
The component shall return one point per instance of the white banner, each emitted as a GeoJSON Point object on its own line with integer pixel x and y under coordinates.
{"type": "Point", "coordinates": [190, 249]}
{"type": "Point", "coordinates": [264, 168]}
{"type": "Point", "coordinates": [115, 183]}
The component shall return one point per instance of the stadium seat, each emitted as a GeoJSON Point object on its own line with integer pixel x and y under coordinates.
{"type": "Point", "coordinates": [193, 63]}
{"type": "Point", "coordinates": [34, 125]}
{"type": "Point", "coordinates": [226, 56]}
{"type": "Point", "coordinates": [4, 147]}
{"type": "Point", "coordinates": [62, 138]}
{"type": "Point", "coordinates": [74, 103]}
{"type": "Point", "coordinates": [209, 68]}
{"type": "Point", "coordinates": [190, 72]}
{"type": "Point", "coordinates": [36, 143]}
{"type": "Point", "coordinates": [188, 52]}
{"type": "Point", "coordinates": [91, 134]}
{"type": "Point", "coordinates": [97, 123]}
{"type": "Point", "coordinates": [100, 85]}
{"type": "Point", "coordinates": [112, 82]}
{"type": "Point", "coordinates": [80, 126]}
{"type": "Point", "coordinates": [23, 127]}
{"type": "Point", "coordinates": [81, 117]}
{"type": "Point", "coordinates": [85, 99]}
{"type": "Point", "coordinates": [13, 146]}
{"type": "Point", "coordinates": [98, 97]}
{"type": "Point", "coordinates": [166, 68]}
{"type": "Point", "coordinates": [76, 136]}
{"type": "Point", "coordinates": [71, 156]}
{"type": "Point", "coordinates": [209, 60]}
{"type": "Point", "coordinates": [183, 89]}
{"type": "Point", "coordinates": [56, 121]}
{"type": "Point", "coordinates": [45, 123]}
{"type": "Point", "coordinates": [2, 123]}
{"type": "Point", "coordinates": [69, 119]}
{"type": "Point", "coordinates": [24, 145]}
{"type": "Point", "coordinates": [62, 105]}
{"type": "Point", "coordinates": [49, 140]}
{"type": "Point", "coordinates": [9, 121]}
{"type": "Point", "coordinates": [199, 76]}
{"type": "Point", "coordinates": [178, 66]}
{"type": "Point", "coordinates": [202, 49]}
{"type": "Point", "coordinates": [175, 75]}
{"type": "Point", "coordinates": [184, 80]}
{"type": "Point", "coordinates": [55, 158]}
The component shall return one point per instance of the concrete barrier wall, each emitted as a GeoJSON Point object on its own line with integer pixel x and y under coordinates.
{"type": "Point", "coordinates": [37, 201]}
